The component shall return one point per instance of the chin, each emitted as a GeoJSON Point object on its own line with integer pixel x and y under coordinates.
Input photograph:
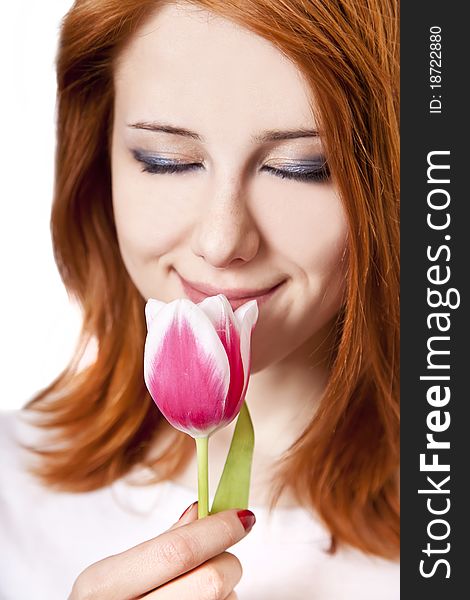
{"type": "Point", "coordinates": [264, 354]}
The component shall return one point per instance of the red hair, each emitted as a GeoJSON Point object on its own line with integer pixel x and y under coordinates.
{"type": "Point", "coordinates": [345, 464]}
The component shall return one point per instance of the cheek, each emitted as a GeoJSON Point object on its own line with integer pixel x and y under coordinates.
{"type": "Point", "coordinates": [323, 248]}
{"type": "Point", "coordinates": [150, 217]}
{"type": "Point", "coordinates": [322, 259]}
{"type": "Point", "coordinates": [309, 229]}
{"type": "Point", "coordinates": [310, 238]}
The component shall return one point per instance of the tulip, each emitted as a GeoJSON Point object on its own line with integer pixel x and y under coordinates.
{"type": "Point", "coordinates": [197, 367]}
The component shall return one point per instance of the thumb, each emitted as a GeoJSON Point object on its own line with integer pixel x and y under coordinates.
{"type": "Point", "coordinates": [189, 515]}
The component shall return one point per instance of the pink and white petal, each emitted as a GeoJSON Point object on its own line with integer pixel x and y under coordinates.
{"type": "Point", "coordinates": [152, 308]}
{"type": "Point", "coordinates": [242, 310]}
{"type": "Point", "coordinates": [157, 330]}
{"type": "Point", "coordinates": [221, 314]}
{"type": "Point", "coordinates": [219, 311]}
{"type": "Point", "coordinates": [186, 386]}
{"type": "Point", "coordinates": [183, 311]}
{"type": "Point", "coordinates": [247, 317]}
{"type": "Point", "coordinates": [226, 325]}
{"type": "Point", "coordinates": [205, 334]}
{"type": "Point", "coordinates": [184, 382]}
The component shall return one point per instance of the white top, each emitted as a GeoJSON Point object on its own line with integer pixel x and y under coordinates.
{"type": "Point", "coordinates": [47, 538]}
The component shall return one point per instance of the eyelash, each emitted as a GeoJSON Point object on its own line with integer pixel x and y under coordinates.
{"type": "Point", "coordinates": [318, 174]}
{"type": "Point", "coordinates": [296, 172]}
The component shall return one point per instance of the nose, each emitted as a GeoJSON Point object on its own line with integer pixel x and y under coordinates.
{"type": "Point", "coordinates": [225, 231]}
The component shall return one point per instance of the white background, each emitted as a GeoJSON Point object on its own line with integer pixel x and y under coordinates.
{"type": "Point", "coordinates": [38, 324]}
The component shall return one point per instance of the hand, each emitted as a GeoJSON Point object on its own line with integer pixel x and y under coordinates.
{"type": "Point", "coordinates": [187, 562]}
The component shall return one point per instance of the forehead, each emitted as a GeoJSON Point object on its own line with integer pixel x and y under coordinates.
{"type": "Point", "coordinates": [189, 64]}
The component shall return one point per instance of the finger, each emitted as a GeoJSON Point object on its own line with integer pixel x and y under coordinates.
{"type": "Point", "coordinates": [188, 516]}
{"type": "Point", "coordinates": [213, 580]}
{"type": "Point", "coordinates": [161, 559]}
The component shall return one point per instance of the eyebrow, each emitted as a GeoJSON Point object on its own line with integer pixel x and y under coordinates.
{"type": "Point", "coordinates": [271, 135]}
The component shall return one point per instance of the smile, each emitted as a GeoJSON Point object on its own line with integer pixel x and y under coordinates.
{"type": "Point", "coordinates": [236, 297]}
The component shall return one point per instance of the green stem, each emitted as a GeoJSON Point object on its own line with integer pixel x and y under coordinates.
{"type": "Point", "coordinates": [202, 445]}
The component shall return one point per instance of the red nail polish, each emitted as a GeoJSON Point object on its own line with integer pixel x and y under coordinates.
{"type": "Point", "coordinates": [247, 518]}
{"type": "Point", "coordinates": [187, 510]}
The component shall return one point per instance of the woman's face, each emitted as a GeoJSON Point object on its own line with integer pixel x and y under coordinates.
{"type": "Point", "coordinates": [218, 177]}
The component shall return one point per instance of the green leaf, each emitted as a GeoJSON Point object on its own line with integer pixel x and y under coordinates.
{"type": "Point", "coordinates": [234, 486]}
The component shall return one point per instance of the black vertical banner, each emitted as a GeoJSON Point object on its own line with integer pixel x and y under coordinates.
{"type": "Point", "coordinates": [435, 349]}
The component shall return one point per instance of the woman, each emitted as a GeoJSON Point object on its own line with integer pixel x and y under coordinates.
{"type": "Point", "coordinates": [227, 147]}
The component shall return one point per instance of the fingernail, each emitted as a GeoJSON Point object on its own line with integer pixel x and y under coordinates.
{"type": "Point", "coordinates": [247, 518]}
{"type": "Point", "coordinates": [187, 510]}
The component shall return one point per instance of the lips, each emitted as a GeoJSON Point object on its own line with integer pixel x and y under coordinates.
{"type": "Point", "coordinates": [196, 292]}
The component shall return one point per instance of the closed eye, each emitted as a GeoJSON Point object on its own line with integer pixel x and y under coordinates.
{"type": "Point", "coordinates": [317, 172]}
{"type": "Point", "coordinates": [306, 171]}
{"type": "Point", "coordinates": [169, 167]}
{"type": "Point", "coordinates": [161, 165]}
